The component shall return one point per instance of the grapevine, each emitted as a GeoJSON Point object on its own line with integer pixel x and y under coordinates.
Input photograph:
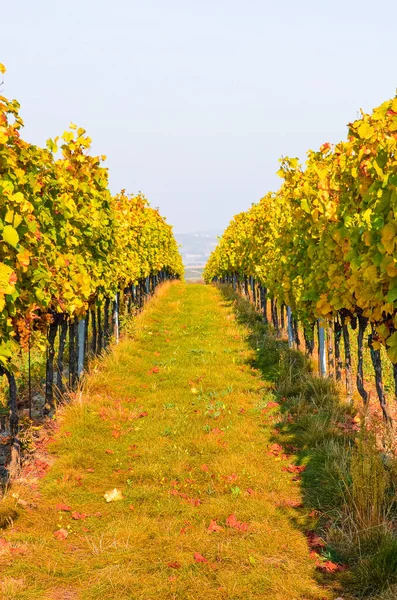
{"type": "Point", "coordinates": [325, 243]}
{"type": "Point", "coordinates": [68, 249]}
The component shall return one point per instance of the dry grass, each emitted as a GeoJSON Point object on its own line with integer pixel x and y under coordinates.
{"type": "Point", "coordinates": [177, 420]}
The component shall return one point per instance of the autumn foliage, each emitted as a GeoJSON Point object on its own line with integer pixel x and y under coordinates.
{"type": "Point", "coordinates": [325, 242]}
{"type": "Point", "coordinates": [65, 242]}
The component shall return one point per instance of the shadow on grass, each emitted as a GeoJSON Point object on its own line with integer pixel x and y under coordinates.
{"type": "Point", "coordinates": [347, 489]}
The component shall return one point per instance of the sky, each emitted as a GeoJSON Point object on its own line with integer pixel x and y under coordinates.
{"type": "Point", "coordinates": [194, 101]}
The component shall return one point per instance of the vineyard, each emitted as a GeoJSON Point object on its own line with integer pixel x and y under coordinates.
{"type": "Point", "coordinates": [73, 259]}
{"type": "Point", "coordinates": [231, 441]}
{"type": "Point", "coordinates": [322, 250]}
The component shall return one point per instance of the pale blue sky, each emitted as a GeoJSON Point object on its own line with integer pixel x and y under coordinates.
{"type": "Point", "coordinates": [193, 102]}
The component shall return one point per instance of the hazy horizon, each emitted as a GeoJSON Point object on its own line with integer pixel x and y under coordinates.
{"type": "Point", "coordinates": [194, 103]}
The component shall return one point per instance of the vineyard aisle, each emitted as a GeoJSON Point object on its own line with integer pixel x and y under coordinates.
{"type": "Point", "coordinates": [175, 421]}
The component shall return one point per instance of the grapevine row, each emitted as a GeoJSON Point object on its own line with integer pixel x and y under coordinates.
{"type": "Point", "coordinates": [68, 248]}
{"type": "Point", "coordinates": [324, 244]}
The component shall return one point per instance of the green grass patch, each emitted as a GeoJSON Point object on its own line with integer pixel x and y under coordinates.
{"type": "Point", "coordinates": [348, 481]}
{"type": "Point", "coordinates": [180, 420]}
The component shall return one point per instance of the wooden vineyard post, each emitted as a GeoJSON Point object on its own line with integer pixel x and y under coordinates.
{"type": "Point", "coordinates": [86, 338]}
{"type": "Point", "coordinates": [362, 325]}
{"type": "Point", "coordinates": [322, 361]}
{"type": "Point", "coordinates": [72, 354]}
{"type": "Point", "coordinates": [15, 461]}
{"type": "Point", "coordinates": [99, 345]}
{"type": "Point", "coordinates": [282, 319]}
{"type": "Point", "coordinates": [138, 294]}
{"type": "Point", "coordinates": [141, 293]}
{"type": "Point", "coordinates": [330, 350]}
{"type": "Point", "coordinates": [49, 379]}
{"type": "Point", "coordinates": [106, 327]}
{"type": "Point", "coordinates": [80, 346]}
{"type": "Point", "coordinates": [63, 332]}
{"type": "Point", "coordinates": [338, 359]}
{"type": "Point", "coordinates": [395, 380]}
{"type": "Point", "coordinates": [94, 332]}
{"type": "Point", "coordinates": [274, 312]}
{"type": "Point", "coordinates": [116, 303]}
{"type": "Point", "coordinates": [290, 328]}
{"type": "Point", "coordinates": [253, 290]}
{"type": "Point", "coordinates": [296, 332]}
{"type": "Point", "coordinates": [264, 305]}
{"type": "Point", "coordinates": [348, 358]}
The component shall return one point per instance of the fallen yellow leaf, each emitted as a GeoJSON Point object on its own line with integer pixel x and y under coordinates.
{"type": "Point", "coordinates": [113, 495]}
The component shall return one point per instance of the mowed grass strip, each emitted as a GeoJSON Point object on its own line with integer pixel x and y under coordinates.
{"type": "Point", "coordinates": [176, 420]}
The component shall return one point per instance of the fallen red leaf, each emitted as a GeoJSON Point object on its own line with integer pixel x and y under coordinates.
{"type": "Point", "coordinates": [271, 405]}
{"type": "Point", "coordinates": [330, 567]}
{"type": "Point", "coordinates": [216, 431]}
{"type": "Point", "coordinates": [314, 540]}
{"type": "Point", "coordinates": [78, 516]}
{"type": "Point", "coordinates": [18, 550]}
{"type": "Point", "coordinates": [230, 478]}
{"type": "Point", "coordinates": [61, 534]}
{"type": "Point", "coordinates": [275, 449]}
{"type": "Point", "coordinates": [116, 433]}
{"type": "Point", "coordinates": [109, 451]}
{"type": "Point", "coordinates": [232, 521]}
{"type": "Point", "coordinates": [295, 468]}
{"type": "Point", "coordinates": [204, 468]}
{"type": "Point", "coordinates": [199, 558]}
{"type": "Point", "coordinates": [174, 565]}
{"type": "Point", "coordinates": [213, 527]}
{"type": "Point", "coordinates": [90, 470]}
{"type": "Point", "coordinates": [194, 501]}
{"type": "Point", "coordinates": [250, 491]}
{"type": "Point", "coordinates": [291, 503]}
{"type": "Point", "coordinates": [62, 506]}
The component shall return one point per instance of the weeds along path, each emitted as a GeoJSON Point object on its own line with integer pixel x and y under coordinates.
{"type": "Point", "coordinates": [178, 422]}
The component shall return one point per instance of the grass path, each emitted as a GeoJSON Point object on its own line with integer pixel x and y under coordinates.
{"type": "Point", "coordinates": [179, 422]}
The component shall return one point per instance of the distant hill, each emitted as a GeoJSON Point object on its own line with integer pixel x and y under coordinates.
{"type": "Point", "coordinates": [195, 249]}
